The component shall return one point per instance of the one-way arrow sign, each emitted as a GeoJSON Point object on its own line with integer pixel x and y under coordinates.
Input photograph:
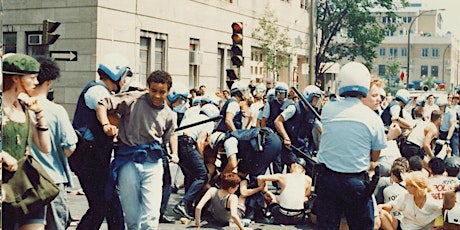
{"type": "Point", "coordinates": [64, 55]}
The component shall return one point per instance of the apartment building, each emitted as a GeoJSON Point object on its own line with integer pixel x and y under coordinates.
{"type": "Point", "coordinates": [433, 50]}
{"type": "Point", "coordinates": [191, 39]}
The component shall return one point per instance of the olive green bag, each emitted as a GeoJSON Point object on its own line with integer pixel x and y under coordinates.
{"type": "Point", "coordinates": [30, 187]}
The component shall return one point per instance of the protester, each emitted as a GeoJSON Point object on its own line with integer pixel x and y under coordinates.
{"type": "Point", "coordinates": [63, 143]}
{"type": "Point", "coordinates": [223, 202]}
{"type": "Point", "coordinates": [451, 210]}
{"type": "Point", "coordinates": [289, 206]}
{"type": "Point", "coordinates": [418, 208]}
{"type": "Point", "coordinates": [138, 163]}
{"type": "Point", "coordinates": [23, 123]}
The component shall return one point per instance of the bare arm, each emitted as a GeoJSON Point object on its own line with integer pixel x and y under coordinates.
{"type": "Point", "coordinates": [40, 132]}
{"type": "Point", "coordinates": [231, 164]}
{"type": "Point", "coordinates": [281, 130]}
{"type": "Point", "coordinates": [233, 201]}
{"type": "Point", "coordinates": [245, 191]}
{"type": "Point", "coordinates": [229, 121]}
{"type": "Point", "coordinates": [173, 145]}
{"type": "Point", "coordinates": [201, 142]}
{"type": "Point", "coordinates": [263, 123]}
{"type": "Point", "coordinates": [430, 133]}
{"type": "Point", "coordinates": [207, 196]}
{"type": "Point", "coordinates": [109, 129]}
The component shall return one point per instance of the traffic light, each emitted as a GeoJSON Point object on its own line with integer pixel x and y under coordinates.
{"type": "Point", "coordinates": [48, 28]}
{"type": "Point", "coordinates": [237, 46]}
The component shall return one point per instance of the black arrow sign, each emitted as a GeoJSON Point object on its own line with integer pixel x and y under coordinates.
{"type": "Point", "coordinates": [64, 55]}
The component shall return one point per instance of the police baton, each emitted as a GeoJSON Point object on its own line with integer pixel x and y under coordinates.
{"type": "Point", "coordinates": [304, 100]}
{"type": "Point", "coordinates": [304, 154]}
{"type": "Point", "coordinates": [199, 123]}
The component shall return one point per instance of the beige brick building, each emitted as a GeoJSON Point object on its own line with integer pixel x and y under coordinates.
{"type": "Point", "coordinates": [188, 38]}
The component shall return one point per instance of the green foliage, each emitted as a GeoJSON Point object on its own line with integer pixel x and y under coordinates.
{"type": "Point", "coordinates": [429, 81]}
{"type": "Point", "coordinates": [352, 22]}
{"type": "Point", "coordinates": [275, 43]}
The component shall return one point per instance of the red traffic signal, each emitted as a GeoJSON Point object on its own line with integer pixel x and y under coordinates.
{"type": "Point", "coordinates": [237, 46]}
{"type": "Point", "coordinates": [48, 28]}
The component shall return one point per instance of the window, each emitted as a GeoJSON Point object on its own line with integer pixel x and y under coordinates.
{"type": "Point", "coordinates": [393, 52]}
{"type": "Point", "coordinates": [194, 58]}
{"type": "Point", "coordinates": [424, 70]}
{"type": "Point", "coordinates": [403, 52]}
{"type": "Point", "coordinates": [144, 59]}
{"type": "Point", "coordinates": [34, 44]}
{"type": "Point", "coordinates": [257, 62]}
{"type": "Point", "coordinates": [152, 53]}
{"type": "Point", "coordinates": [382, 52]}
{"type": "Point", "coordinates": [381, 70]}
{"type": "Point", "coordinates": [160, 54]}
{"type": "Point", "coordinates": [9, 42]}
{"type": "Point", "coordinates": [220, 66]}
{"type": "Point", "coordinates": [424, 52]}
{"type": "Point", "coordinates": [303, 4]}
{"type": "Point", "coordinates": [434, 71]}
{"type": "Point", "coordinates": [435, 52]}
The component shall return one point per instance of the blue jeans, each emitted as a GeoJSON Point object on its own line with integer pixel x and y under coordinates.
{"type": "Point", "coordinates": [340, 194]}
{"type": "Point", "coordinates": [57, 214]}
{"type": "Point", "coordinates": [140, 188]}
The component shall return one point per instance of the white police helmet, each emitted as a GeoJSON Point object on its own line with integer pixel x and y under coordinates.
{"type": "Point", "coordinates": [210, 110]}
{"type": "Point", "coordinates": [115, 66]}
{"type": "Point", "coordinates": [238, 86]}
{"type": "Point", "coordinates": [211, 98]}
{"type": "Point", "coordinates": [270, 94]}
{"type": "Point", "coordinates": [281, 89]}
{"type": "Point", "coordinates": [403, 95]}
{"type": "Point", "coordinates": [216, 138]}
{"type": "Point", "coordinates": [196, 101]}
{"type": "Point", "coordinates": [354, 77]}
{"type": "Point", "coordinates": [312, 91]}
{"type": "Point", "coordinates": [176, 92]}
{"type": "Point", "coordinates": [442, 100]}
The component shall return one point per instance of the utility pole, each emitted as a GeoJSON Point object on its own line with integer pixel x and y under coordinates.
{"type": "Point", "coordinates": [312, 59]}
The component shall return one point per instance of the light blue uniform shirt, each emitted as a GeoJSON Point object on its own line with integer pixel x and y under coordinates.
{"type": "Point", "coordinates": [449, 116]}
{"type": "Point", "coordinates": [350, 131]}
{"type": "Point", "coordinates": [195, 131]}
{"type": "Point", "coordinates": [62, 137]}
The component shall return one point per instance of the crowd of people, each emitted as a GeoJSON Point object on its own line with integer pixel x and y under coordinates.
{"type": "Point", "coordinates": [362, 159]}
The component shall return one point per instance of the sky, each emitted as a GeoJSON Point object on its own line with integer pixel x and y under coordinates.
{"type": "Point", "coordinates": [451, 15]}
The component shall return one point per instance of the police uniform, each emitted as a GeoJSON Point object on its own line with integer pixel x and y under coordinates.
{"type": "Point", "coordinates": [191, 162]}
{"type": "Point", "coordinates": [230, 106]}
{"type": "Point", "coordinates": [350, 132]}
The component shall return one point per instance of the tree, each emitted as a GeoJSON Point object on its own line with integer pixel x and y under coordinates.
{"type": "Point", "coordinates": [275, 44]}
{"type": "Point", "coordinates": [392, 71]}
{"type": "Point", "coordinates": [349, 29]}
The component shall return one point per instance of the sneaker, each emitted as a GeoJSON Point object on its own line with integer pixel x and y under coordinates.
{"type": "Point", "coordinates": [166, 220]}
{"type": "Point", "coordinates": [182, 210]}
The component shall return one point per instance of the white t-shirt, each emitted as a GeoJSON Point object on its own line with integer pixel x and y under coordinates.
{"type": "Point", "coordinates": [231, 146]}
{"type": "Point", "coordinates": [233, 107]}
{"type": "Point", "coordinates": [392, 192]}
{"type": "Point", "coordinates": [414, 217]}
{"type": "Point", "coordinates": [255, 112]}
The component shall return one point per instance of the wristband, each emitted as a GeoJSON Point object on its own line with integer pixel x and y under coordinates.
{"type": "Point", "coordinates": [39, 111]}
{"type": "Point", "coordinates": [105, 124]}
{"type": "Point", "coordinates": [42, 128]}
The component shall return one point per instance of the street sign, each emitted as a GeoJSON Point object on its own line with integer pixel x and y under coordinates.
{"type": "Point", "coordinates": [64, 55]}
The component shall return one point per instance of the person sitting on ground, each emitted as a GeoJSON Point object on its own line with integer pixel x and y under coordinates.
{"type": "Point", "coordinates": [223, 202]}
{"type": "Point", "coordinates": [397, 187]}
{"type": "Point", "coordinates": [451, 209]}
{"type": "Point", "coordinates": [437, 181]}
{"type": "Point", "coordinates": [288, 207]}
{"type": "Point", "coordinates": [418, 208]}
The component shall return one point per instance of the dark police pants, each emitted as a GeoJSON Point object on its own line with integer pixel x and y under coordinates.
{"type": "Point", "coordinates": [342, 193]}
{"type": "Point", "coordinates": [193, 167]}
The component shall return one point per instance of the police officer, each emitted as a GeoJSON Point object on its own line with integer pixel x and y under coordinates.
{"type": "Point", "coordinates": [395, 111]}
{"type": "Point", "coordinates": [231, 112]}
{"type": "Point", "coordinates": [271, 110]}
{"type": "Point", "coordinates": [93, 169]}
{"type": "Point", "coordinates": [178, 99]}
{"type": "Point", "coordinates": [352, 138]}
{"type": "Point", "coordinates": [295, 122]}
{"type": "Point", "coordinates": [447, 129]}
{"type": "Point", "coordinates": [191, 160]}
{"type": "Point", "coordinates": [256, 149]}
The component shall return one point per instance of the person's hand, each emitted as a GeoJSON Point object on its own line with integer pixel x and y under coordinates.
{"type": "Point", "coordinates": [287, 142]}
{"type": "Point", "coordinates": [110, 130]}
{"type": "Point", "coordinates": [174, 158]}
{"type": "Point", "coordinates": [393, 131]}
{"type": "Point", "coordinates": [30, 102]}
{"type": "Point", "coordinates": [10, 162]}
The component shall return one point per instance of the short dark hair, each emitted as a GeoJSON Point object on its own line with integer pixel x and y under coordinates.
{"type": "Point", "coordinates": [436, 165]}
{"type": "Point", "coordinates": [435, 115]}
{"type": "Point", "coordinates": [415, 163]}
{"type": "Point", "coordinates": [160, 76]}
{"type": "Point", "coordinates": [49, 70]}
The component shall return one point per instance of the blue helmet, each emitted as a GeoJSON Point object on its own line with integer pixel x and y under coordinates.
{"type": "Point", "coordinates": [312, 91]}
{"type": "Point", "coordinates": [403, 95]}
{"type": "Point", "coordinates": [115, 66]}
{"type": "Point", "coordinates": [176, 92]}
{"type": "Point", "coordinates": [354, 77]}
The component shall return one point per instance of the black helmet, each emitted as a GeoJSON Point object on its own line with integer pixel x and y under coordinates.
{"type": "Point", "coordinates": [452, 165]}
{"type": "Point", "coordinates": [301, 162]}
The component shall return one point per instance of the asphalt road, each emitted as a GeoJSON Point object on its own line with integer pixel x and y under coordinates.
{"type": "Point", "coordinates": [78, 206]}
